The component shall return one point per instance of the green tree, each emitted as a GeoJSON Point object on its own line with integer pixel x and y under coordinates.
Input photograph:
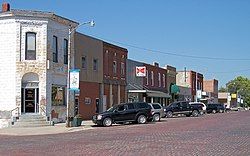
{"type": "Point", "coordinates": [240, 85]}
{"type": "Point", "coordinates": [222, 89]}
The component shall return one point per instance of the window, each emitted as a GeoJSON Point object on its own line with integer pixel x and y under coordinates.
{"type": "Point", "coordinates": [146, 77]}
{"type": "Point", "coordinates": [152, 78]}
{"type": "Point", "coordinates": [58, 95]}
{"type": "Point", "coordinates": [164, 80]}
{"type": "Point", "coordinates": [55, 49]}
{"type": "Point", "coordinates": [87, 100]}
{"type": "Point", "coordinates": [95, 64]}
{"type": "Point", "coordinates": [130, 106]}
{"type": "Point", "coordinates": [84, 62]}
{"type": "Point", "coordinates": [30, 53]}
{"type": "Point", "coordinates": [65, 51]}
{"type": "Point", "coordinates": [121, 108]}
{"type": "Point", "coordinates": [114, 67]}
{"type": "Point", "coordinates": [122, 69]}
{"type": "Point", "coordinates": [159, 79]}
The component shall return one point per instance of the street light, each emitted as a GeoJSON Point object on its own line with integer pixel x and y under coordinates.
{"type": "Point", "coordinates": [71, 30]}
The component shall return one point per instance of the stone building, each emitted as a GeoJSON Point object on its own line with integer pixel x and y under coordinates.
{"type": "Point", "coordinates": [33, 62]}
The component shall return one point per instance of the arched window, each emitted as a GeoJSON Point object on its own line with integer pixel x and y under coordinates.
{"type": "Point", "coordinates": [30, 50]}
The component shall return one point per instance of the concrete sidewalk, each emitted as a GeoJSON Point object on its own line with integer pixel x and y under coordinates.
{"type": "Point", "coordinates": [58, 128]}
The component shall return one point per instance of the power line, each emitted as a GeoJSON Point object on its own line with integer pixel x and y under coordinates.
{"type": "Point", "coordinates": [228, 72]}
{"type": "Point", "coordinates": [175, 54]}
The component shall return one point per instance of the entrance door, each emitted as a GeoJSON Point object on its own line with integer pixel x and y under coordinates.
{"type": "Point", "coordinates": [29, 100]}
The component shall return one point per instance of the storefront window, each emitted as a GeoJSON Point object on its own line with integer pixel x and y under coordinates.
{"type": "Point", "coordinates": [58, 95]}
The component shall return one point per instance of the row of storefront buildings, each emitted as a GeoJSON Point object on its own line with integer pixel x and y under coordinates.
{"type": "Point", "coordinates": [35, 49]}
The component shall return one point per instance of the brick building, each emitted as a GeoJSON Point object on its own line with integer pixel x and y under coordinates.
{"type": "Point", "coordinates": [154, 87]}
{"type": "Point", "coordinates": [33, 62]}
{"type": "Point", "coordinates": [114, 75]}
{"type": "Point", "coordinates": [192, 80]}
{"type": "Point", "coordinates": [210, 88]}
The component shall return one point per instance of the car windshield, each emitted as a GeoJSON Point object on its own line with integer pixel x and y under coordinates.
{"type": "Point", "coordinates": [111, 109]}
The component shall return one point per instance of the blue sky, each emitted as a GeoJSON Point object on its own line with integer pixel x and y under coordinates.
{"type": "Point", "coordinates": [204, 28]}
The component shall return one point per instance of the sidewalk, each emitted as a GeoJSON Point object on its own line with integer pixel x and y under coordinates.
{"type": "Point", "coordinates": [58, 128]}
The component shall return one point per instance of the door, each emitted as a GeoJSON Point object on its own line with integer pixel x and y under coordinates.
{"type": "Point", "coordinates": [29, 100]}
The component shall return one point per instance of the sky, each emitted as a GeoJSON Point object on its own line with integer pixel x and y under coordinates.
{"type": "Point", "coordinates": [208, 36]}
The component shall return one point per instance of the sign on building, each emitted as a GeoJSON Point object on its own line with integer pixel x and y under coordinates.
{"type": "Point", "coordinates": [233, 96]}
{"type": "Point", "coordinates": [74, 79]}
{"type": "Point", "coordinates": [199, 93]}
{"type": "Point", "coordinates": [141, 71]}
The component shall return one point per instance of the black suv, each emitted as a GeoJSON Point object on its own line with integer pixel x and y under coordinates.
{"type": "Point", "coordinates": [122, 113]}
{"type": "Point", "coordinates": [182, 107]}
{"type": "Point", "coordinates": [215, 108]}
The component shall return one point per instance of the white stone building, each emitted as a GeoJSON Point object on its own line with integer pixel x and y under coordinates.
{"type": "Point", "coordinates": [33, 63]}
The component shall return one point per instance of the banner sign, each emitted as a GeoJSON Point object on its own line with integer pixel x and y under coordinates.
{"type": "Point", "coordinates": [74, 79]}
{"type": "Point", "coordinates": [141, 71]}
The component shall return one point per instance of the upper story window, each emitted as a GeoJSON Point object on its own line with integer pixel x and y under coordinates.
{"type": "Point", "coordinates": [152, 78]}
{"type": "Point", "coordinates": [65, 51]}
{"type": "Point", "coordinates": [55, 49]}
{"type": "Point", "coordinates": [146, 77]}
{"type": "Point", "coordinates": [84, 62]}
{"type": "Point", "coordinates": [114, 67]}
{"type": "Point", "coordinates": [159, 79]}
{"type": "Point", "coordinates": [122, 69]}
{"type": "Point", "coordinates": [95, 64]}
{"type": "Point", "coordinates": [30, 53]}
{"type": "Point", "coordinates": [164, 80]}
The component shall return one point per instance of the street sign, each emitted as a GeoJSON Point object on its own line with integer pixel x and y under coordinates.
{"type": "Point", "coordinates": [74, 79]}
{"type": "Point", "coordinates": [141, 71]}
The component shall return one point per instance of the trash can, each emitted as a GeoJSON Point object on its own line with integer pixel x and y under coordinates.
{"type": "Point", "coordinates": [77, 121]}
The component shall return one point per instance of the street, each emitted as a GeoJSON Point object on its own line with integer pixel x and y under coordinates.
{"type": "Point", "coordinates": [212, 134]}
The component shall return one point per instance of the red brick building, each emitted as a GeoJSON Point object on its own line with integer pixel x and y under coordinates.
{"type": "Point", "coordinates": [211, 89]}
{"type": "Point", "coordinates": [114, 74]}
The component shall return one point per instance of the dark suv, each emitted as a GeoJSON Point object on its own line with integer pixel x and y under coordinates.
{"type": "Point", "coordinates": [182, 107]}
{"type": "Point", "coordinates": [215, 108]}
{"type": "Point", "coordinates": [122, 113]}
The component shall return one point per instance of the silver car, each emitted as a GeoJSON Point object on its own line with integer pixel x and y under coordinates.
{"type": "Point", "coordinates": [158, 111]}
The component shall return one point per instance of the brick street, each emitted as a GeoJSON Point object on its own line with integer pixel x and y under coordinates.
{"type": "Point", "coordinates": [215, 134]}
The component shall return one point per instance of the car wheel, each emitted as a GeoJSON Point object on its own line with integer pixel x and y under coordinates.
{"type": "Point", "coordinates": [169, 114]}
{"type": "Point", "coordinates": [214, 111]}
{"type": "Point", "coordinates": [107, 122]}
{"type": "Point", "coordinates": [142, 119]}
{"type": "Point", "coordinates": [195, 113]}
{"type": "Point", "coordinates": [156, 117]}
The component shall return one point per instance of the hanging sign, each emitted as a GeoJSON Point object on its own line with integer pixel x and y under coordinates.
{"type": "Point", "coordinates": [74, 79]}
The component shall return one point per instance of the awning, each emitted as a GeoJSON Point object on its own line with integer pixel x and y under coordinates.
{"type": "Point", "coordinates": [151, 93]}
{"type": "Point", "coordinates": [175, 89]}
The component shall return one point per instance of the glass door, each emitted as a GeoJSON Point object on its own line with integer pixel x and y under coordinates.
{"type": "Point", "coordinates": [30, 100]}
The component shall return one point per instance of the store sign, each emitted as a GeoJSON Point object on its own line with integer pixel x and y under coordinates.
{"type": "Point", "coordinates": [229, 98]}
{"type": "Point", "coordinates": [199, 93]}
{"type": "Point", "coordinates": [233, 96]}
{"type": "Point", "coordinates": [141, 71]}
{"type": "Point", "coordinates": [74, 79]}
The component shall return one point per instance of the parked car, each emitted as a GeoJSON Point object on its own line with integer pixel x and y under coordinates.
{"type": "Point", "coordinates": [182, 107]}
{"type": "Point", "coordinates": [215, 108]}
{"type": "Point", "coordinates": [122, 113]}
{"type": "Point", "coordinates": [158, 111]}
{"type": "Point", "coordinates": [203, 106]}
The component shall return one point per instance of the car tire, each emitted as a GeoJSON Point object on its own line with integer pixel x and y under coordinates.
{"type": "Point", "coordinates": [195, 113]}
{"type": "Point", "coordinates": [156, 117]}
{"type": "Point", "coordinates": [107, 122]}
{"type": "Point", "coordinates": [169, 114]}
{"type": "Point", "coordinates": [213, 111]}
{"type": "Point", "coordinates": [141, 119]}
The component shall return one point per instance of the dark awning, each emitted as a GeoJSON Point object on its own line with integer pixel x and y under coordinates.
{"type": "Point", "coordinates": [175, 89]}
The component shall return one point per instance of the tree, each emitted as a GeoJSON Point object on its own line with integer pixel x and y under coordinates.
{"type": "Point", "coordinates": [240, 85]}
{"type": "Point", "coordinates": [222, 89]}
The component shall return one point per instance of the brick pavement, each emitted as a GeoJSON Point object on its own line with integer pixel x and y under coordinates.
{"type": "Point", "coordinates": [216, 134]}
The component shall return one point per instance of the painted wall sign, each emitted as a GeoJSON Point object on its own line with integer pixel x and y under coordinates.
{"type": "Point", "coordinates": [141, 71]}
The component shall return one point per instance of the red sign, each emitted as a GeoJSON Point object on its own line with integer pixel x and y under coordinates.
{"type": "Point", "coordinates": [141, 71]}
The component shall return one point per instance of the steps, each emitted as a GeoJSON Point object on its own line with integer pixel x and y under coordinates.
{"type": "Point", "coordinates": [31, 120]}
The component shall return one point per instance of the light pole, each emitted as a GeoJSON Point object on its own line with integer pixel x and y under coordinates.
{"type": "Point", "coordinates": [72, 30]}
